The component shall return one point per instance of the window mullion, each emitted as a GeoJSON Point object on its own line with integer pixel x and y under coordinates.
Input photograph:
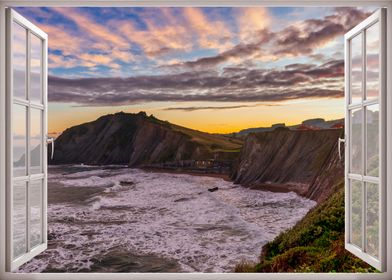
{"type": "Point", "coordinates": [28, 142]}
{"type": "Point", "coordinates": [382, 142]}
{"type": "Point", "coordinates": [364, 149]}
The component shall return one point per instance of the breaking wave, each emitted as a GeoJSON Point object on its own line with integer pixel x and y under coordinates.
{"type": "Point", "coordinates": [172, 216]}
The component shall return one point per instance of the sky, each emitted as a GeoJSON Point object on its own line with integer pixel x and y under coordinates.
{"type": "Point", "coordinates": [217, 70]}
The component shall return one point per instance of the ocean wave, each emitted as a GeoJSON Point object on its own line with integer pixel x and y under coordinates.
{"type": "Point", "coordinates": [173, 216]}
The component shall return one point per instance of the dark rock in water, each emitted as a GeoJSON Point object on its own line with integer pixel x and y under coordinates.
{"type": "Point", "coordinates": [213, 189]}
{"type": "Point", "coordinates": [127, 183]}
{"type": "Point", "coordinates": [52, 236]}
{"type": "Point", "coordinates": [119, 260]}
{"type": "Point", "coordinates": [182, 199]}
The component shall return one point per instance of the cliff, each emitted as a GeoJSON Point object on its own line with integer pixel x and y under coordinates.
{"type": "Point", "coordinates": [314, 124]}
{"type": "Point", "coordinates": [137, 140]}
{"type": "Point", "coordinates": [304, 161]}
{"type": "Point", "coordinates": [300, 161]}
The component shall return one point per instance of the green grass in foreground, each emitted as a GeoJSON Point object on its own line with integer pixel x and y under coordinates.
{"type": "Point", "coordinates": [314, 244]}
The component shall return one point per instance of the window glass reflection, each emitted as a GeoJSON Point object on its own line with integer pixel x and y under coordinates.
{"type": "Point", "coordinates": [19, 61]}
{"type": "Point", "coordinates": [372, 61]}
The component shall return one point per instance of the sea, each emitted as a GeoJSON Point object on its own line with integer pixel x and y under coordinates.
{"type": "Point", "coordinates": [120, 219]}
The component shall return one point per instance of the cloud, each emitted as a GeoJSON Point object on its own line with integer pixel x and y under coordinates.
{"type": "Point", "coordinates": [76, 40]}
{"type": "Point", "coordinates": [65, 40]}
{"type": "Point", "coordinates": [300, 38]}
{"type": "Point", "coordinates": [82, 38]}
{"type": "Point", "coordinates": [103, 35]}
{"type": "Point", "coordinates": [232, 85]}
{"type": "Point", "coordinates": [197, 108]}
{"type": "Point", "coordinates": [211, 34]}
{"type": "Point", "coordinates": [194, 55]}
{"type": "Point", "coordinates": [320, 56]}
{"type": "Point", "coordinates": [292, 42]}
{"type": "Point", "coordinates": [156, 40]}
{"type": "Point", "coordinates": [251, 21]}
{"type": "Point", "coordinates": [239, 51]}
{"type": "Point", "coordinates": [170, 30]}
{"type": "Point", "coordinates": [306, 36]}
{"type": "Point", "coordinates": [166, 31]}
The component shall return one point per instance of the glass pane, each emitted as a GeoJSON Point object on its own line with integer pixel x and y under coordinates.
{"type": "Point", "coordinates": [372, 140]}
{"type": "Point", "coordinates": [36, 141]}
{"type": "Point", "coordinates": [372, 219]}
{"type": "Point", "coordinates": [356, 141]}
{"type": "Point", "coordinates": [372, 61]}
{"type": "Point", "coordinates": [35, 197]}
{"type": "Point", "coordinates": [35, 69]}
{"type": "Point", "coordinates": [19, 219]}
{"type": "Point", "coordinates": [356, 69]}
{"type": "Point", "coordinates": [356, 213]}
{"type": "Point", "coordinates": [19, 60]}
{"type": "Point", "coordinates": [19, 139]}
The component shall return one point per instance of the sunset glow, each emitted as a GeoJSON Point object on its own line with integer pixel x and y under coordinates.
{"type": "Point", "coordinates": [217, 70]}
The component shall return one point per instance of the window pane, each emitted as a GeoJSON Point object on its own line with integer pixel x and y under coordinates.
{"type": "Point", "coordinates": [372, 140]}
{"type": "Point", "coordinates": [19, 61]}
{"type": "Point", "coordinates": [36, 141]}
{"type": "Point", "coordinates": [372, 219]}
{"type": "Point", "coordinates": [356, 213]}
{"type": "Point", "coordinates": [372, 61]}
{"type": "Point", "coordinates": [19, 139]}
{"type": "Point", "coordinates": [35, 197]}
{"type": "Point", "coordinates": [35, 69]}
{"type": "Point", "coordinates": [356, 141]}
{"type": "Point", "coordinates": [19, 219]}
{"type": "Point", "coordinates": [356, 69]}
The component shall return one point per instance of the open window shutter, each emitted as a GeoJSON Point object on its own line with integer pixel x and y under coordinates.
{"type": "Point", "coordinates": [26, 140]}
{"type": "Point", "coordinates": [365, 133]}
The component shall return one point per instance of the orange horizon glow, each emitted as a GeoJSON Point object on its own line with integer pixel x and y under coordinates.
{"type": "Point", "coordinates": [63, 116]}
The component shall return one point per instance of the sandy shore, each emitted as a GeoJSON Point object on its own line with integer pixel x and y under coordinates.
{"type": "Point", "coordinates": [225, 177]}
{"type": "Point", "coordinates": [280, 188]}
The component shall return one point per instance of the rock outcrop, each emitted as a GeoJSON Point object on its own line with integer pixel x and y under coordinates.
{"type": "Point", "coordinates": [137, 140]}
{"type": "Point", "coordinates": [302, 161]}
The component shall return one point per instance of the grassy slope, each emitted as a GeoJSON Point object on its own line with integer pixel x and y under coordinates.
{"type": "Point", "coordinates": [315, 244]}
{"type": "Point", "coordinates": [215, 142]}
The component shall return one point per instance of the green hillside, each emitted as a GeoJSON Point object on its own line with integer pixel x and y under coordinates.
{"type": "Point", "coordinates": [215, 142]}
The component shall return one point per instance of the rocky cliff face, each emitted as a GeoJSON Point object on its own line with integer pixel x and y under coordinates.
{"type": "Point", "coordinates": [330, 176]}
{"type": "Point", "coordinates": [133, 139]}
{"type": "Point", "coordinates": [303, 161]}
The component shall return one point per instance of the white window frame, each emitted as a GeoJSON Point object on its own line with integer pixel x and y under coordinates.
{"type": "Point", "coordinates": [13, 17]}
{"type": "Point", "coordinates": [378, 16]}
{"type": "Point", "coordinates": [200, 3]}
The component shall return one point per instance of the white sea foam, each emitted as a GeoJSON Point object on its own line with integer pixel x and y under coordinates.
{"type": "Point", "coordinates": [93, 181]}
{"type": "Point", "coordinates": [170, 215]}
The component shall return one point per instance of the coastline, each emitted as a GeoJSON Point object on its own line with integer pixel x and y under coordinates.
{"type": "Point", "coordinates": [284, 188]}
{"type": "Point", "coordinates": [277, 188]}
{"type": "Point", "coordinates": [225, 177]}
